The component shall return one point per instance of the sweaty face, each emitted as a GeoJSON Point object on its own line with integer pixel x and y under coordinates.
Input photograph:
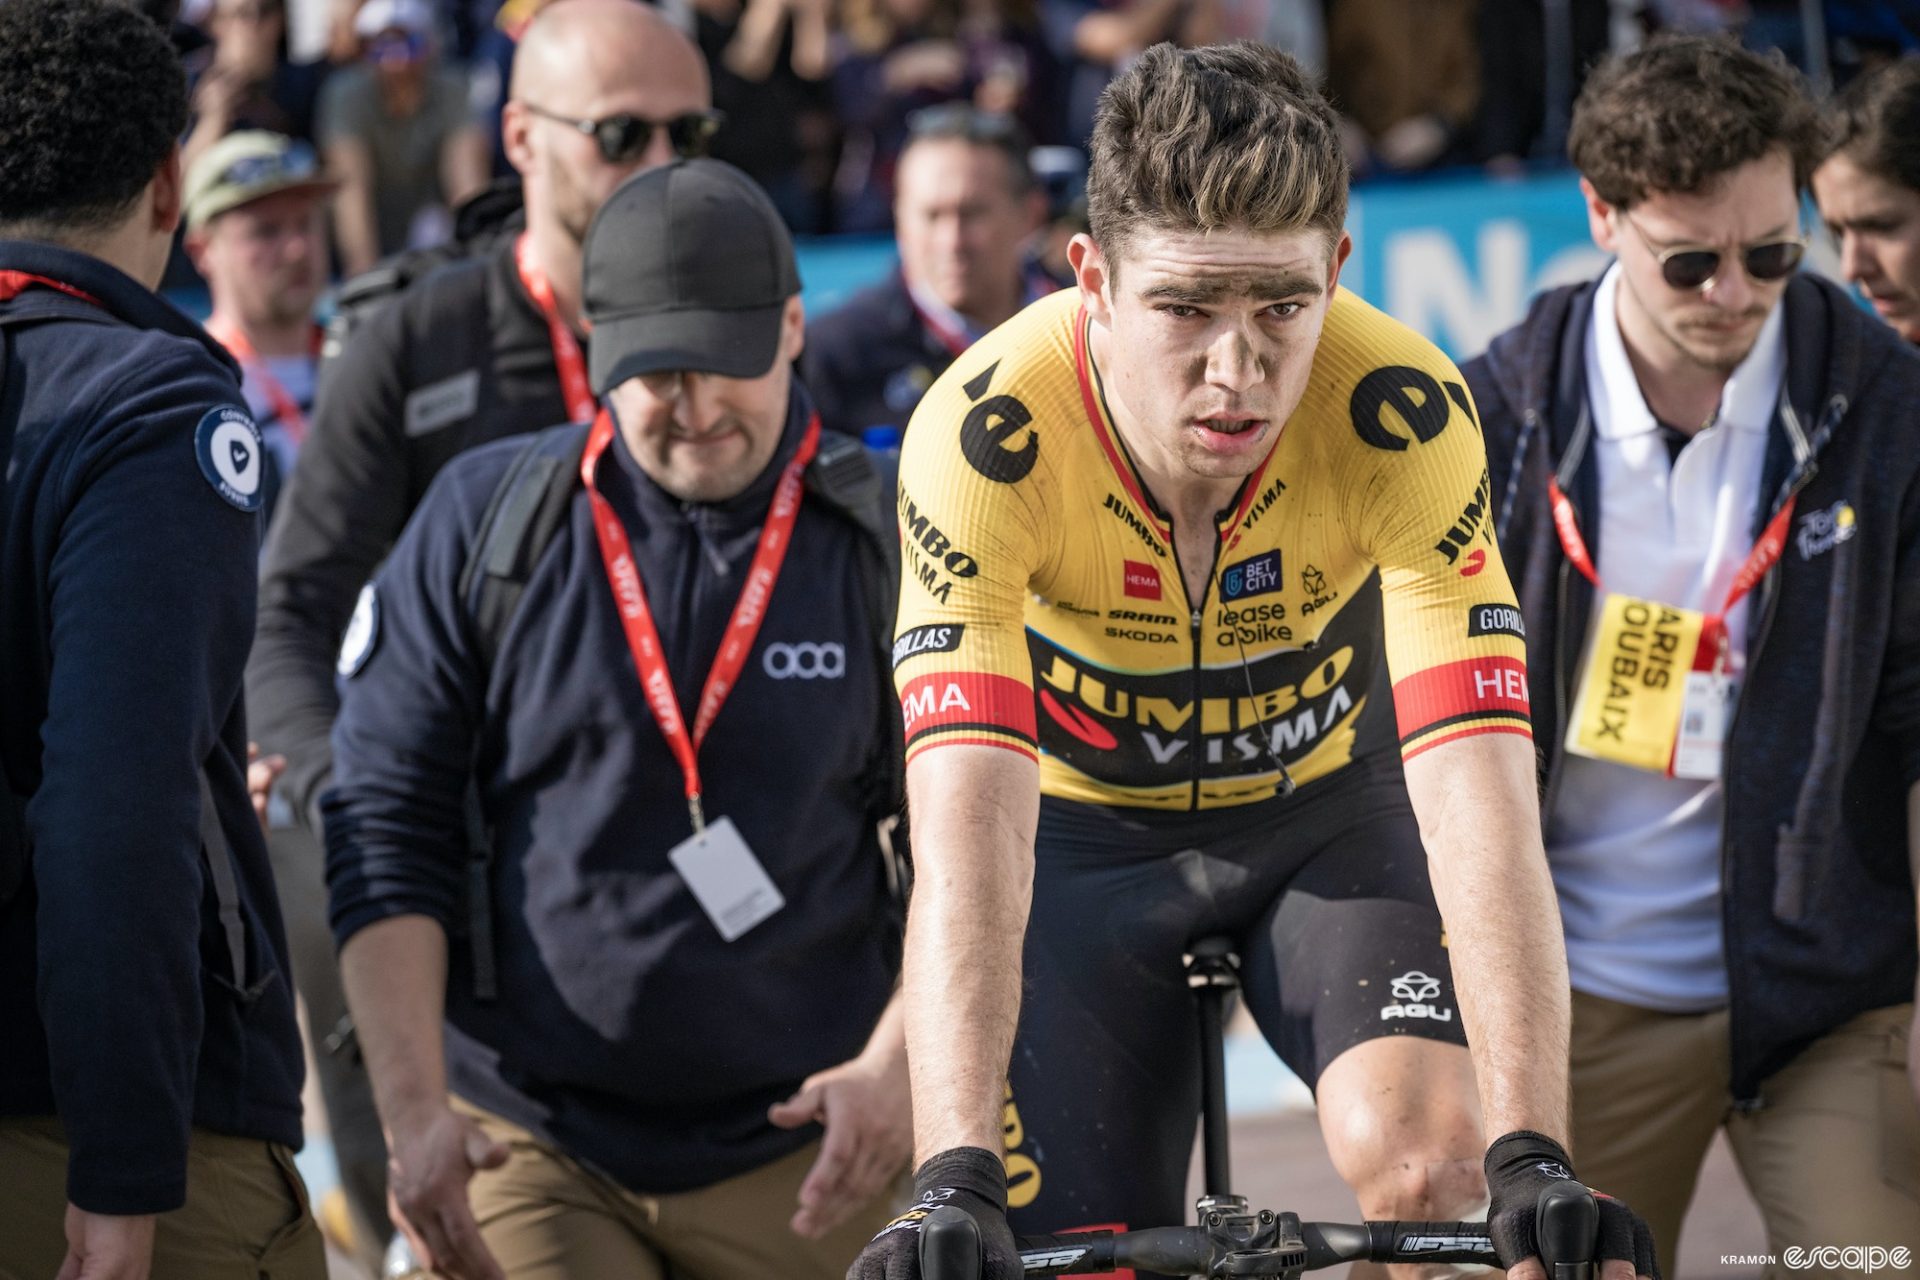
{"type": "Point", "coordinates": [959, 224]}
{"type": "Point", "coordinates": [267, 259]}
{"type": "Point", "coordinates": [1211, 340]}
{"type": "Point", "coordinates": [1877, 223]}
{"type": "Point", "coordinates": [1712, 327]}
{"type": "Point", "coordinates": [702, 437]}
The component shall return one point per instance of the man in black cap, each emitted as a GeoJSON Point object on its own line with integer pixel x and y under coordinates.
{"type": "Point", "coordinates": [670, 952]}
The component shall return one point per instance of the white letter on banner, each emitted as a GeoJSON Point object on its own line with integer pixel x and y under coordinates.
{"type": "Point", "coordinates": [1428, 286]}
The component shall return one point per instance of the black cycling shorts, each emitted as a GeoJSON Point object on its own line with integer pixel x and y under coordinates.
{"type": "Point", "coordinates": [1327, 898]}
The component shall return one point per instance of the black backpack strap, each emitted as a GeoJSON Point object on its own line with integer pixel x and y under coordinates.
{"type": "Point", "coordinates": [850, 479]}
{"type": "Point", "coordinates": [520, 521]}
{"type": "Point", "coordinates": [226, 886]}
{"type": "Point", "coordinates": [13, 806]}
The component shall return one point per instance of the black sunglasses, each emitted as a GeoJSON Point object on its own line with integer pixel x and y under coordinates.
{"type": "Point", "coordinates": [1689, 269]}
{"type": "Point", "coordinates": [623, 137]}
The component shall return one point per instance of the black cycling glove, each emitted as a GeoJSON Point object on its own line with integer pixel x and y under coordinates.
{"type": "Point", "coordinates": [970, 1179]}
{"type": "Point", "coordinates": [1523, 1164]}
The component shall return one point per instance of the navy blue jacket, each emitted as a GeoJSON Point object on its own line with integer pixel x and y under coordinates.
{"type": "Point", "coordinates": [626, 1031]}
{"type": "Point", "coordinates": [869, 361]}
{"type": "Point", "coordinates": [126, 611]}
{"type": "Point", "coordinates": [1817, 893]}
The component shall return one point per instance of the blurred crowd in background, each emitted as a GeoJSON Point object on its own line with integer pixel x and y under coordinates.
{"type": "Point", "coordinates": [401, 98]}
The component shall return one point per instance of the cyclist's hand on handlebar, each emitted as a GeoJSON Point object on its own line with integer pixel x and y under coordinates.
{"type": "Point", "coordinates": [1523, 1164]}
{"type": "Point", "coordinates": [970, 1179]}
{"type": "Point", "coordinates": [868, 1114]}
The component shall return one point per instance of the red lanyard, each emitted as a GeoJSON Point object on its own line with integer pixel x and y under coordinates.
{"type": "Point", "coordinates": [566, 349]}
{"type": "Point", "coordinates": [286, 410]}
{"type": "Point", "coordinates": [14, 283]}
{"type": "Point", "coordinates": [1713, 632]}
{"type": "Point", "coordinates": [649, 659]}
{"type": "Point", "coordinates": [954, 340]}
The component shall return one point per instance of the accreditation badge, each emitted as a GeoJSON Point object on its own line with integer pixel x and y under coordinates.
{"type": "Point", "coordinates": [1632, 698]}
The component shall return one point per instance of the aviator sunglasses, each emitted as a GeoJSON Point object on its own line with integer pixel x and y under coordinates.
{"type": "Point", "coordinates": [1690, 267]}
{"type": "Point", "coordinates": [623, 137]}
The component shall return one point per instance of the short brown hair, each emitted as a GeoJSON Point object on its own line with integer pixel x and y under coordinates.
{"type": "Point", "coordinates": [1876, 122]}
{"type": "Point", "coordinates": [1234, 135]}
{"type": "Point", "coordinates": [1681, 112]}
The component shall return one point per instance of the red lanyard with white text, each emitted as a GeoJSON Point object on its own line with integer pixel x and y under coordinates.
{"type": "Point", "coordinates": [1712, 654]}
{"type": "Point", "coordinates": [574, 388]}
{"type": "Point", "coordinates": [630, 594]}
{"type": "Point", "coordinates": [286, 410]}
{"type": "Point", "coordinates": [14, 283]}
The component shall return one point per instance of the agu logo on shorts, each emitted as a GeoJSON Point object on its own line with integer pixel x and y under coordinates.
{"type": "Point", "coordinates": [1417, 993]}
{"type": "Point", "coordinates": [228, 446]}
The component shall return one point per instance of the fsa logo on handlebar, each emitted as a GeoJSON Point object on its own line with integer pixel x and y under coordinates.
{"type": "Point", "coordinates": [1443, 1244]}
{"type": "Point", "coordinates": [1032, 1260]}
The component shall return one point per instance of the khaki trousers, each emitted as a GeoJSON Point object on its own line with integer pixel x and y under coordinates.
{"type": "Point", "coordinates": [246, 1216]}
{"type": "Point", "coordinates": [1832, 1157]}
{"type": "Point", "coordinates": [545, 1217]}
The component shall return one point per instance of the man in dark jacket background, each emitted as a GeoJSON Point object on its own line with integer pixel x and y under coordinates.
{"type": "Point", "coordinates": [1706, 488]}
{"type": "Point", "coordinates": [149, 1062]}
{"type": "Point", "coordinates": [692, 948]}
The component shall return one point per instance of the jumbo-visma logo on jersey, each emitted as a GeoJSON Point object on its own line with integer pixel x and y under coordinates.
{"type": "Point", "coordinates": [1202, 723]}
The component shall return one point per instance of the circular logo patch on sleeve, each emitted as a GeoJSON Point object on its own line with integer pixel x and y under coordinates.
{"type": "Point", "coordinates": [228, 445]}
{"type": "Point", "coordinates": [356, 646]}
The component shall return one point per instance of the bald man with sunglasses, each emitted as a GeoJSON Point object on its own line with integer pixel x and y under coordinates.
{"type": "Point", "coordinates": [1706, 490]}
{"type": "Point", "coordinates": [476, 351]}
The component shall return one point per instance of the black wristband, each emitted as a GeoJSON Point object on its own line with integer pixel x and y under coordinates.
{"type": "Point", "coordinates": [1512, 1152]}
{"type": "Point", "coordinates": [974, 1170]}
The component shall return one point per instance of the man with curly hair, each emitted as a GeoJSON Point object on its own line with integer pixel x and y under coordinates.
{"type": "Point", "coordinates": [150, 1074]}
{"type": "Point", "coordinates": [1705, 486]}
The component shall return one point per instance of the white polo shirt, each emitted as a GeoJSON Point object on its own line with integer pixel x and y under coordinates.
{"type": "Point", "coordinates": [1635, 856]}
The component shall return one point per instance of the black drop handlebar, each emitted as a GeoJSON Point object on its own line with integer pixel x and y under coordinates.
{"type": "Point", "coordinates": [1267, 1244]}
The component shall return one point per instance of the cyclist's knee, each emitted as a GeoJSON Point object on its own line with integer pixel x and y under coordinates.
{"type": "Point", "coordinates": [1417, 1163]}
{"type": "Point", "coordinates": [1421, 1185]}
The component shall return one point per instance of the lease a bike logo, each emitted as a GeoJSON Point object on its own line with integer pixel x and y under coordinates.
{"type": "Point", "coordinates": [995, 437]}
{"type": "Point", "coordinates": [805, 661]}
{"type": "Point", "coordinates": [1396, 405]}
{"type": "Point", "coordinates": [1416, 992]}
{"type": "Point", "coordinates": [1253, 577]}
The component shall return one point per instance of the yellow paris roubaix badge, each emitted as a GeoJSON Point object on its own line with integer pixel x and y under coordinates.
{"type": "Point", "coordinates": [1633, 688]}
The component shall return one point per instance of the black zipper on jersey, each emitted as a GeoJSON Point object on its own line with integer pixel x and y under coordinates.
{"type": "Point", "coordinates": [1197, 612]}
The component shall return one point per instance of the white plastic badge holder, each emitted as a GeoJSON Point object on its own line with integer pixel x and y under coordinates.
{"type": "Point", "coordinates": [727, 880]}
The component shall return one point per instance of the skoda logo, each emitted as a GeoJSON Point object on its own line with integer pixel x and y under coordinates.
{"type": "Point", "coordinates": [805, 661]}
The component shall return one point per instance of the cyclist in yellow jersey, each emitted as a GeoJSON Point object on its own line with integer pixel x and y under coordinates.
{"type": "Point", "coordinates": [1166, 538]}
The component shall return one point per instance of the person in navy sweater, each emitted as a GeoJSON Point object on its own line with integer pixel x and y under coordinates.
{"type": "Point", "coordinates": [150, 1065]}
{"type": "Point", "coordinates": [687, 965]}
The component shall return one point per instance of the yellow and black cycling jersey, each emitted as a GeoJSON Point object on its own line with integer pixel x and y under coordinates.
{"type": "Point", "coordinates": [1042, 607]}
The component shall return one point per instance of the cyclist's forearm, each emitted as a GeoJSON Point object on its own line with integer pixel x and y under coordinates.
{"type": "Point", "coordinates": [973, 855]}
{"type": "Point", "coordinates": [1480, 821]}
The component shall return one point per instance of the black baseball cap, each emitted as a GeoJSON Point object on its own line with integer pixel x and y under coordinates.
{"type": "Point", "coordinates": [688, 268]}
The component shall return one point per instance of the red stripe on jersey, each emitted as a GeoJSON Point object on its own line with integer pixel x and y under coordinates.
{"type": "Point", "coordinates": [971, 699]}
{"type": "Point", "coordinates": [1472, 686]}
{"type": "Point", "coordinates": [1520, 729]}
